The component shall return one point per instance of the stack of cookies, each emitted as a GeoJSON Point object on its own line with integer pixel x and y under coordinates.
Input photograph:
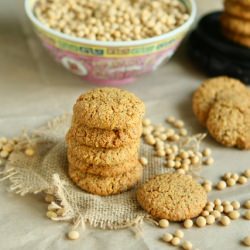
{"type": "Point", "coordinates": [222, 104]}
{"type": "Point", "coordinates": [235, 21]}
{"type": "Point", "coordinates": [104, 140]}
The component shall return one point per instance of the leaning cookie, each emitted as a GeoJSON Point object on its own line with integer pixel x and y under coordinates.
{"type": "Point", "coordinates": [237, 8]}
{"type": "Point", "coordinates": [104, 186]}
{"type": "Point", "coordinates": [229, 121]}
{"type": "Point", "coordinates": [206, 94]}
{"type": "Point", "coordinates": [235, 25]}
{"type": "Point", "coordinates": [172, 196]}
{"type": "Point", "coordinates": [103, 170]}
{"type": "Point", "coordinates": [108, 108]}
{"type": "Point", "coordinates": [103, 138]}
{"type": "Point", "coordinates": [103, 156]}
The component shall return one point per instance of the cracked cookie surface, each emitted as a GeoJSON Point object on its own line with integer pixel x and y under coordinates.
{"type": "Point", "coordinates": [103, 138]}
{"type": "Point", "coordinates": [206, 94]}
{"type": "Point", "coordinates": [108, 108]}
{"type": "Point", "coordinates": [103, 170]}
{"type": "Point", "coordinates": [172, 196]}
{"type": "Point", "coordinates": [103, 156]}
{"type": "Point", "coordinates": [104, 186]}
{"type": "Point", "coordinates": [229, 120]}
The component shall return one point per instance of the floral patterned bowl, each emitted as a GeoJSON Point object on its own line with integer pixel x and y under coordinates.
{"type": "Point", "coordinates": [110, 63]}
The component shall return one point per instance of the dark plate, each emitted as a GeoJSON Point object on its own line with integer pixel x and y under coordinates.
{"type": "Point", "coordinates": [216, 55]}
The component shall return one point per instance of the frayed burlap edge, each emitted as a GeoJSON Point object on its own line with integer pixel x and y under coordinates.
{"type": "Point", "coordinates": [20, 185]}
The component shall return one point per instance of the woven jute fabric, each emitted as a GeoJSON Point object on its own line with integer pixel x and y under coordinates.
{"type": "Point", "coordinates": [47, 169]}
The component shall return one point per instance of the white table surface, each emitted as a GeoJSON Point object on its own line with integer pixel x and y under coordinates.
{"type": "Point", "coordinates": [33, 89]}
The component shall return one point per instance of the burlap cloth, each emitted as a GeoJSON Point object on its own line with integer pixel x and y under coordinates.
{"type": "Point", "coordinates": [47, 169]}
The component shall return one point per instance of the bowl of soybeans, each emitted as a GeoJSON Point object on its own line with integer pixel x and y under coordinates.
{"type": "Point", "coordinates": [111, 42]}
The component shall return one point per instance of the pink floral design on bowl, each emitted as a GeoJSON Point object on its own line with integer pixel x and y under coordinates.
{"type": "Point", "coordinates": [110, 63]}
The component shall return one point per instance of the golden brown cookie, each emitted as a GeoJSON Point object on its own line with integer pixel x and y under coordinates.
{"type": "Point", "coordinates": [103, 170]}
{"type": "Point", "coordinates": [108, 108]}
{"type": "Point", "coordinates": [240, 39]}
{"type": "Point", "coordinates": [229, 121]}
{"type": "Point", "coordinates": [237, 8]}
{"type": "Point", "coordinates": [206, 94]}
{"type": "Point", "coordinates": [172, 196]}
{"type": "Point", "coordinates": [103, 138]}
{"type": "Point", "coordinates": [100, 185]}
{"type": "Point", "coordinates": [103, 156]}
{"type": "Point", "coordinates": [235, 24]}
{"type": "Point", "coordinates": [246, 3]}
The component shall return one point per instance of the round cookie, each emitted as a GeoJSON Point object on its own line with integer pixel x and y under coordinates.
{"type": "Point", "coordinates": [206, 94]}
{"type": "Point", "coordinates": [246, 3]}
{"type": "Point", "coordinates": [104, 186]}
{"type": "Point", "coordinates": [237, 8]}
{"type": "Point", "coordinates": [235, 25]}
{"type": "Point", "coordinates": [103, 138]}
{"type": "Point", "coordinates": [172, 196]}
{"type": "Point", "coordinates": [240, 39]}
{"type": "Point", "coordinates": [229, 121]}
{"type": "Point", "coordinates": [103, 156]}
{"type": "Point", "coordinates": [103, 170]}
{"type": "Point", "coordinates": [108, 108]}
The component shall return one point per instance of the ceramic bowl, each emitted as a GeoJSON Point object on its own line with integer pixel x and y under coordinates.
{"type": "Point", "coordinates": [110, 63]}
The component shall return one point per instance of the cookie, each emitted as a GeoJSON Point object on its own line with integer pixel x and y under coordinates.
{"type": "Point", "coordinates": [246, 3]}
{"type": "Point", "coordinates": [103, 170]}
{"type": "Point", "coordinates": [237, 8]}
{"type": "Point", "coordinates": [229, 121]}
{"type": "Point", "coordinates": [172, 196]}
{"type": "Point", "coordinates": [206, 94]}
{"type": "Point", "coordinates": [103, 138]}
{"type": "Point", "coordinates": [235, 25]}
{"type": "Point", "coordinates": [103, 156]}
{"type": "Point", "coordinates": [240, 39]}
{"type": "Point", "coordinates": [104, 186]}
{"type": "Point", "coordinates": [108, 108]}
